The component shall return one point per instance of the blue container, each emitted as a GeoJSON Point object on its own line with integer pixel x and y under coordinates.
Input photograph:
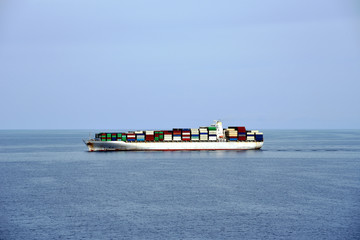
{"type": "Point", "coordinates": [259, 138]}
{"type": "Point", "coordinates": [131, 140]}
{"type": "Point", "coordinates": [195, 135]}
{"type": "Point", "coordinates": [141, 140]}
{"type": "Point", "coordinates": [203, 133]}
{"type": "Point", "coordinates": [233, 139]}
{"type": "Point", "coordinates": [113, 139]}
{"type": "Point", "coordinates": [186, 129]}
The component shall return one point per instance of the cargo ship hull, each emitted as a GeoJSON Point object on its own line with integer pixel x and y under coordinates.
{"type": "Point", "coordinates": [170, 146]}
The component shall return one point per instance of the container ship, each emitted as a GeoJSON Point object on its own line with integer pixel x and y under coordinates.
{"type": "Point", "coordinates": [213, 137]}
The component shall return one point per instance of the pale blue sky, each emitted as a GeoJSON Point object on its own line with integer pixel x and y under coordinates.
{"type": "Point", "coordinates": [162, 64]}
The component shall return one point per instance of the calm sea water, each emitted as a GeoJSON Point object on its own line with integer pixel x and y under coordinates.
{"type": "Point", "coordinates": [301, 185]}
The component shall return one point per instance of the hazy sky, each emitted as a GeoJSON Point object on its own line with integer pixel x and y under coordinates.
{"type": "Point", "coordinates": [160, 64]}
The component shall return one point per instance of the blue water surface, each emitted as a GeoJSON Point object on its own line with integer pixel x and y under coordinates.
{"type": "Point", "coordinates": [301, 185]}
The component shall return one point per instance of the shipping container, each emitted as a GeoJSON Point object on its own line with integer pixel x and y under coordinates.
{"type": "Point", "coordinates": [259, 137]}
{"type": "Point", "coordinates": [250, 138]}
{"type": "Point", "coordinates": [240, 129]}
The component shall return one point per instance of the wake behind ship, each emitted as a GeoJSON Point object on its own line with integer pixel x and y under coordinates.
{"type": "Point", "coordinates": [214, 137]}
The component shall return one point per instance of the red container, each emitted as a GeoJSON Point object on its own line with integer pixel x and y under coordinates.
{"type": "Point", "coordinates": [242, 129]}
{"type": "Point", "coordinates": [242, 138]}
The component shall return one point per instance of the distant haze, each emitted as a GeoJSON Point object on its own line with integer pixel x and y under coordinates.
{"type": "Point", "coordinates": [162, 64]}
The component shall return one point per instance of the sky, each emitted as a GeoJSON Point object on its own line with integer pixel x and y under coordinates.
{"type": "Point", "coordinates": [160, 64]}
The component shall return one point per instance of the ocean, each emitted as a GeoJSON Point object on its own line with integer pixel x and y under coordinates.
{"type": "Point", "coordinates": [303, 184]}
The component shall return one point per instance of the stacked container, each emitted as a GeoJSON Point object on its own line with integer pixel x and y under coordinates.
{"type": "Point", "coordinates": [103, 137]}
{"type": "Point", "coordinates": [241, 133]}
{"type": "Point", "coordinates": [123, 137]}
{"type": "Point", "coordinates": [176, 134]}
{"type": "Point", "coordinates": [131, 137]}
{"type": "Point", "coordinates": [203, 134]}
{"type": "Point", "coordinates": [185, 136]}
{"type": "Point", "coordinates": [156, 136]}
{"type": "Point", "coordinates": [161, 136]}
{"type": "Point", "coordinates": [108, 137]}
{"type": "Point", "coordinates": [167, 135]}
{"type": "Point", "coordinates": [250, 136]}
{"type": "Point", "coordinates": [231, 134]}
{"type": "Point", "coordinates": [140, 136]}
{"type": "Point", "coordinates": [259, 136]}
{"type": "Point", "coordinates": [113, 137]}
{"type": "Point", "coordinates": [119, 137]}
{"type": "Point", "coordinates": [212, 133]}
{"type": "Point", "coordinates": [149, 136]}
{"type": "Point", "coordinates": [194, 134]}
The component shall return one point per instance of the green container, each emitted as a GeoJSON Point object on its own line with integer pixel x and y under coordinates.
{"type": "Point", "coordinates": [156, 139]}
{"type": "Point", "coordinates": [103, 139]}
{"type": "Point", "coordinates": [123, 138]}
{"type": "Point", "coordinates": [212, 128]}
{"type": "Point", "coordinates": [109, 139]}
{"type": "Point", "coordinates": [108, 135]}
{"type": "Point", "coordinates": [161, 136]}
{"type": "Point", "coordinates": [119, 135]}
